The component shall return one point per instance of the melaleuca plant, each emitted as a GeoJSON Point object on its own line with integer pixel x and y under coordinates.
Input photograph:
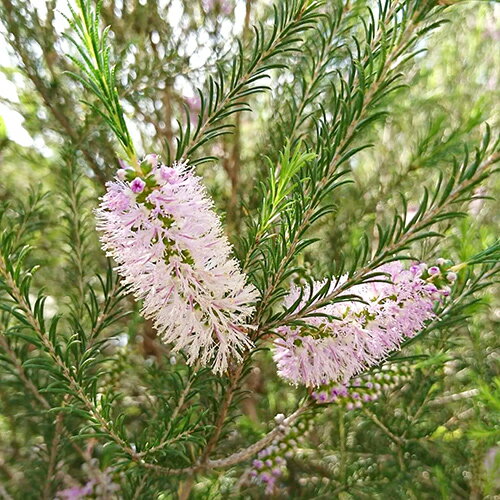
{"type": "Point", "coordinates": [238, 306]}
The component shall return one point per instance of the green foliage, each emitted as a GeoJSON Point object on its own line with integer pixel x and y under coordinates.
{"type": "Point", "coordinates": [228, 93]}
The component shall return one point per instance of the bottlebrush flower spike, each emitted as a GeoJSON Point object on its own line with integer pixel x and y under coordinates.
{"type": "Point", "coordinates": [162, 230]}
{"type": "Point", "coordinates": [333, 350]}
{"type": "Point", "coordinates": [365, 388]}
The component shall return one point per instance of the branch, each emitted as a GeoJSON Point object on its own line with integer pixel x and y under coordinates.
{"type": "Point", "coordinates": [41, 400]}
{"type": "Point", "coordinates": [341, 140]}
{"type": "Point", "coordinates": [50, 349]}
{"type": "Point", "coordinates": [277, 433]}
{"type": "Point", "coordinates": [454, 397]}
{"type": "Point", "coordinates": [396, 439]}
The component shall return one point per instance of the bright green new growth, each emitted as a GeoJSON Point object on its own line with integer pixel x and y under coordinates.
{"type": "Point", "coordinates": [98, 72]}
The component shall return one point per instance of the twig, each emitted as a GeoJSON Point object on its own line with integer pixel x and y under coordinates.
{"type": "Point", "coordinates": [56, 439]}
{"type": "Point", "coordinates": [454, 397]}
{"type": "Point", "coordinates": [395, 439]}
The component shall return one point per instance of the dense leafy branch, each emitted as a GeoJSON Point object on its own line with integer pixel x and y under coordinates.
{"type": "Point", "coordinates": [67, 377]}
{"type": "Point", "coordinates": [14, 359]}
{"type": "Point", "coordinates": [434, 208]}
{"type": "Point", "coordinates": [373, 74]}
{"type": "Point", "coordinates": [290, 19]}
{"type": "Point", "coordinates": [78, 229]}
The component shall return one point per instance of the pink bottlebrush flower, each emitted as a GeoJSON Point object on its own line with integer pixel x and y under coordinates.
{"type": "Point", "coordinates": [173, 255]}
{"type": "Point", "coordinates": [334, 350]}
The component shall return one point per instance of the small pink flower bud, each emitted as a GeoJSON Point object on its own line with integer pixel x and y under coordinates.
{"type": "Point", "coordinates": [123, 164]}
{"type": "Point", "coordinates": [434, 270]}
{"type": "Point", "coordinates": [137, 185]}
{"type": "Point", "coordinates": [451, 277]}
{"type": "Point", "coordinates": [416, 269]}
{"type": "Point", "coordinates": [152, 159]}
{"type": "Point", "coordinates": [121, 173]}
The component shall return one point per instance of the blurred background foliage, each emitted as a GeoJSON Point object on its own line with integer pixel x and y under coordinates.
{"type": "Point", "coordinates": [438, 436]}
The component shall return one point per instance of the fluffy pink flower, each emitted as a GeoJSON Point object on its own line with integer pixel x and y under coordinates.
{"type": "Point", "coordinates": [172, 253]}
{"type": "Point", "coordinates": [333, 350]}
